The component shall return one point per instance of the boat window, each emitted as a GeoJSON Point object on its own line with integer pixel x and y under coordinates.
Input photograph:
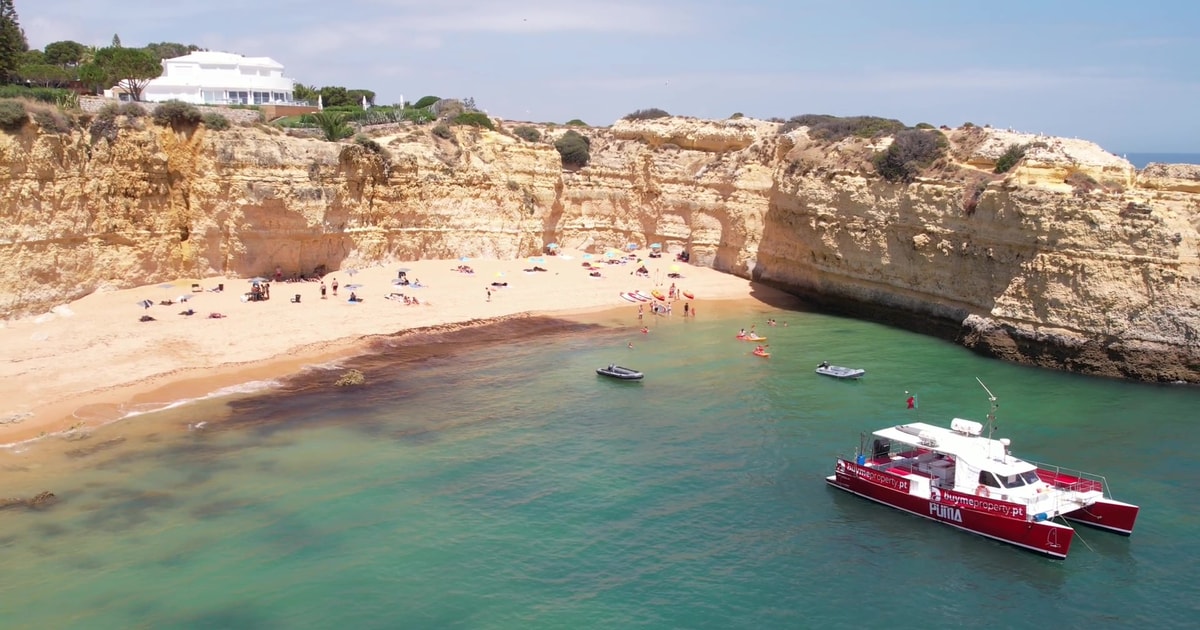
{"type": "Point", "coordinates": [988, 479]}
{"type": "Point", "coordinates": [1030, 477]}
{"type": "Point", "coordinates": [1012, 481]}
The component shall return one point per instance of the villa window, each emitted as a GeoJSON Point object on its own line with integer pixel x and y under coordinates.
{"type": "Point", "coordinates": [262, 97]}
{"type": "Point", "coordinates": [240, 98]}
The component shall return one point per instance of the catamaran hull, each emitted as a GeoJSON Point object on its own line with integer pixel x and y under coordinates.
{"type": "Point", "coordinates": [1107, 514]}
{"type": "Point", "coordinates": [1043, 537]}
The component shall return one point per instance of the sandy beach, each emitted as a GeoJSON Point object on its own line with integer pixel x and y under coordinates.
{"type": "Point", "coordinates": [93, 361]}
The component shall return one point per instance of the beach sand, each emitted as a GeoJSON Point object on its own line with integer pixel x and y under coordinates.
{"type": "Point", "coordinates": [92, 361]}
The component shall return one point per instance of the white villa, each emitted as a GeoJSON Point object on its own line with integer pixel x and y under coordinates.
{"type": "Point", "coordinates": [219, 78]}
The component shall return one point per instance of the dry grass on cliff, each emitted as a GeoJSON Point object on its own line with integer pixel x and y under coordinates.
{"type": "Point", "coordinates": [48, 116]}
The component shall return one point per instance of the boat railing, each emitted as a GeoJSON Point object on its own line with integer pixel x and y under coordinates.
{"type": "Point", "coordinates": [1071, 480]}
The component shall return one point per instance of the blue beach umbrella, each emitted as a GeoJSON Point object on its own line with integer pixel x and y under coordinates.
{"type": "Point", "coordinates": [656, 245]}
{"type": "Point", "coordinates": [353, 287]}
{"type": "Point", "coordinates": [463, 259]}
{"type": "Point", "coordinates": [552, 246]}
{"type": "Point", "coordinates": [631, 246]}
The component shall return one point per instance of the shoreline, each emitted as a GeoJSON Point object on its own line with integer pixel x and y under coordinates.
{"type": "Point", "coordinates": [56, 389]}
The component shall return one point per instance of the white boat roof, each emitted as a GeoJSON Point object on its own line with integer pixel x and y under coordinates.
{"type": "Point", "coordinates": [974, 449]}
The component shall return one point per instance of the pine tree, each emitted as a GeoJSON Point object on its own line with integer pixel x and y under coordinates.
{"type": "Point", "coordinates": [116, 42]}
{"type": "Point", "coordinates": [12, 42]}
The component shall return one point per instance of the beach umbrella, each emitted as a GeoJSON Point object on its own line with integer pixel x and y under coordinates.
{"type": "Point", "coordinates": [552, 246]}
{"type": "Point", "coordinates": [631, 246]}
{"type": "Point", "coordinates": [257, 279]}
{"type": "Point", "coordinates": [353, 287]}
{"type": "Point", "coordinates": [655, 245]}
{"type": "Point", "coordinates": [463, 259]}
{"type": "Point", "coordinates": [166, 285]}
{"type": "Point", "coordinates": [404, 269]}
{"type": "Point", "coordinates": [351, 271]}
{"type": "Point", "coordinates": [674, 267]}
{"type": "Point", "coordinates": [587, 256]}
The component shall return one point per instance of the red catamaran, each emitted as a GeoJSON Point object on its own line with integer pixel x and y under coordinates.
{"type": "Point", "coordinates": [958, 477]}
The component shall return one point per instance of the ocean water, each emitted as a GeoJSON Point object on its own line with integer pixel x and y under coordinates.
{"type": "Point", "coordinates": [1140, 160]}
{"type": "Point", "coordinates": [489, 479]}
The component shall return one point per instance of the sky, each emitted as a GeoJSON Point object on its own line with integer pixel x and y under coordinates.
{"type": "Point", "coordinates": [1122, 74]}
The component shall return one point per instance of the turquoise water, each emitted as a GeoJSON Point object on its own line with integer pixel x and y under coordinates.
{"type": "Point", "coordinates": [480, 484]}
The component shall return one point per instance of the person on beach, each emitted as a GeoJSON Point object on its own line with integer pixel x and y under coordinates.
{"type": "Point", "coordinates": [685, 309]}
{"type": "Point", "coordinates": [334, 286]}
{"type": "Point", "coordinates": [322, 289]}
{"type": "Point", "coordinates": [645, 331]}
{"type": "Point", "coordinates": [489, 293]}
{"type": "Point", "coordinates": [631, 345]}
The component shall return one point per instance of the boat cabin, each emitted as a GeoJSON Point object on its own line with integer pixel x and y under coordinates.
{"type": "Point", "coordinates": [959, 458]}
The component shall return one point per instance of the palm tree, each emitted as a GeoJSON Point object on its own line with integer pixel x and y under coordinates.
{"type": "Point", "coordinates": [333, 125]}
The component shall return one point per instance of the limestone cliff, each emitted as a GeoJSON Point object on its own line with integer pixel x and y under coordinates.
{"type": "Point", "coordinates": [1072, 260]}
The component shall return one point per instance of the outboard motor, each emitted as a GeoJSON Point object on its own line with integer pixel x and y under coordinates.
{"type": "Point", "coordinates": [881, 448]}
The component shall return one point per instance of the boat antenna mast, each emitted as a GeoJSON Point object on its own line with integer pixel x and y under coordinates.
{"type": "Point", "coordinates": [991, 417]}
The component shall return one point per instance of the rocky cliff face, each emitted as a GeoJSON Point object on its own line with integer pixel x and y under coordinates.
{"type": "Point", "coordinates": [1072, 260]}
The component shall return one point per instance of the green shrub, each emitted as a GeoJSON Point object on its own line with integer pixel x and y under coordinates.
{"type": "Point", "coordinates": [443, 132]}
{"type": "Point", "coordinates": [968, 125]}
{"type": "Point", "coordinates": [419, 116]}
{"type": "Point", "coordinates": [737, 115]}
{"type": "Point", "coordinates": [911, 151]}
{"type": "Point", "coordinates": [923, 125]}
{"type": "Point", "coordinates": [646, 114]}
{"type": "Point", "coordinates": [177, 114]}
{"type": "Point", "coordinates": [527, 133]}
{"type": "Point", "coordinates": [1013, 154]}
{"type": "Point", "coordinates": [215, 121]}
{"type": "Point", "coordinates": [574, 149]}
{"type": "Point", "coordinates": [837, 128]}
{"type": "Point", "coordinates": [475, 119]}
{"type": "Point", "coordinates": [12, 115]}
{"type": "Point", "coordinates": [333, 125]}
{"type": "Point", "coordinates": [575, 122]}
{"type": "Point", "coordinates": [130, 109]}
{"type": "Point", "coordinates": [426, 101]}
{"type": "Point", "coordinates": [67, 101]}
{"type": "Point", "coordinates": [41, 94]}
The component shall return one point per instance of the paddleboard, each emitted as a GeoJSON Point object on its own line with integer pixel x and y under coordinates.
{"type": "Point", "coordinates": [688, 295]}
{"type": "Point", "coordinates": [642, 296]}
{"type": "Point", "coordinates": [658, 294]}
{"type": "Point", "coordinates": [629, 297]}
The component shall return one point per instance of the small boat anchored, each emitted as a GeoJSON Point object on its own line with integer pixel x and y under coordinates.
{"type": "Point", "coordinates": [618, 372]}
{"type": "Point", "coordinates": [959, 477]}
{"type": "Point", "coordinates": [838, 371]}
